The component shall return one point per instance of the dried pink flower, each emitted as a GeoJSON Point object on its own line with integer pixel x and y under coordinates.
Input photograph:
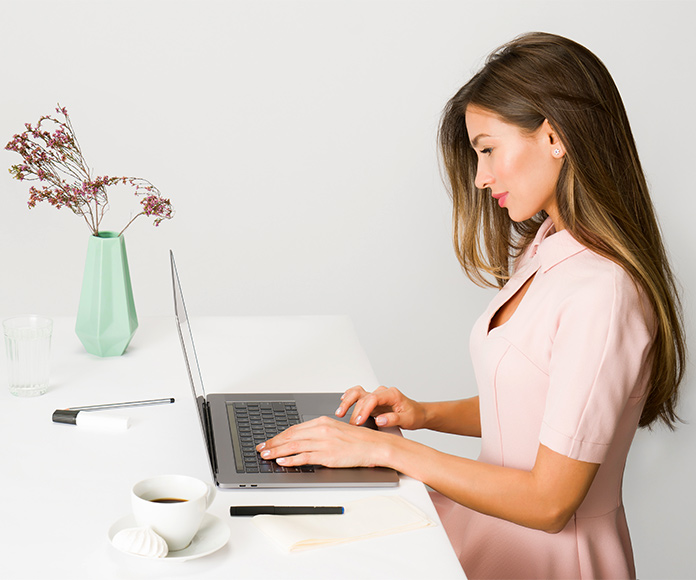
{"type": "Point", "coordinates": [55, 159]}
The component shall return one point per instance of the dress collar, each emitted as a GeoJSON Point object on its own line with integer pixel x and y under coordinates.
{"type": "Point", "coordinates": [553, 247]}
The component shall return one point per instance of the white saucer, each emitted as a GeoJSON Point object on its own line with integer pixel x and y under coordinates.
{"type": "Point", "coordinates": [212, 536]}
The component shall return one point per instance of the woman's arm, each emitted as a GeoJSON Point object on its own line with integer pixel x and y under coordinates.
{"type": "Point", "coordinates": [391, 408]}
{"type": "Point", "coordinates": [459, 417]}
{"type": "Point", "coordinates": [544, 498]}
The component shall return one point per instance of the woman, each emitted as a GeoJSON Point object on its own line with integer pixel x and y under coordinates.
{"type": "Point", "coordinates": [583, 343]}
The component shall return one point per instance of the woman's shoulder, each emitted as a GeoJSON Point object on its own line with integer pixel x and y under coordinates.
{"type": "Point", "coordinates": [587, 281]}
{"type": "Point", "coordinates": [580, 264]}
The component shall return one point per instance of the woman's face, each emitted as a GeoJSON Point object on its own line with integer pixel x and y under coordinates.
{"type": "Point", "coordinates": [521, 170]}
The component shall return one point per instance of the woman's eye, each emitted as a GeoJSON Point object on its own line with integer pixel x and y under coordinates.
{"type": "Point", "coordinates": [486, 151]}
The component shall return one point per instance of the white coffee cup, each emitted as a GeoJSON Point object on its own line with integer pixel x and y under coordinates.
{"type": "Point", "coordinates": [173, 506]}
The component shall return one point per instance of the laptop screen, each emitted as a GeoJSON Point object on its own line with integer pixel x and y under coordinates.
{"type": "Point", "coordinates": [194, 371]}
{"type": "Point", "coordinates": [185, 334]}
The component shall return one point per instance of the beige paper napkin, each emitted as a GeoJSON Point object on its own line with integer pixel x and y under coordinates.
{"type": "Point", "coordinates": [364, 518]}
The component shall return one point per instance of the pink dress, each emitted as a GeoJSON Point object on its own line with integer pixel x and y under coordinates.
{"type": "Point", "coordinates": [569, 370]}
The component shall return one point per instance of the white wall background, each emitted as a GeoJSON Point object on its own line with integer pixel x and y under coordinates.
{"type": "Point", "coordinates": [296, 140]}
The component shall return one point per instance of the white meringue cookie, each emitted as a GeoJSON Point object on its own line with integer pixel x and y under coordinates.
{"type": "Point", "coordinates": [142, 541]}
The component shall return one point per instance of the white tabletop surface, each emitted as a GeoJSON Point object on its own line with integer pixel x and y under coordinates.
{"type": "Point", "coordinates": [64, 486]}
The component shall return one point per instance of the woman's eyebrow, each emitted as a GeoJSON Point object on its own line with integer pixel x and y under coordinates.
{"type": "Point", "coordinates": [475, 140]}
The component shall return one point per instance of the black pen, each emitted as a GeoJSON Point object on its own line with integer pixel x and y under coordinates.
{"type": "Point", "coordinates": [276, 510]}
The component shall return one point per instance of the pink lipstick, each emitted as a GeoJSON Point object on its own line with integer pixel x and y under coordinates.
{"type": "Point", "coordinates": [501, 197]}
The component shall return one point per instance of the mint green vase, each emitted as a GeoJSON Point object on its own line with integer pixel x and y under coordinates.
{"type": "Point", "coordinates": [106, 318]}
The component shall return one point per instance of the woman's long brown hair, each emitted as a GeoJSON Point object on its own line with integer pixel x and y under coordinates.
{"type": "Point", "coordinates": [602, 195]}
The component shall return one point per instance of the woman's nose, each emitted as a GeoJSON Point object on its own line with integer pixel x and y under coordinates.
{"type": "Point", "coordinates": [484, 178]}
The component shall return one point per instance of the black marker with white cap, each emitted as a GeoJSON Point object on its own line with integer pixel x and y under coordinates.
{"type": "Point", "coordinates": [83, 417]}
{"type": "Point", "coordinates": [91, 420]}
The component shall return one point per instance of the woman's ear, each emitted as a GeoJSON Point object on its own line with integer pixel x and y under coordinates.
{"type": "Point", "coordinates": [555, 145]}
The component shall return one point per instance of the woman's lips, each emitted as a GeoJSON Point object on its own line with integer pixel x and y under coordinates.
{"type": "Point", "coordinates": [501, 198]}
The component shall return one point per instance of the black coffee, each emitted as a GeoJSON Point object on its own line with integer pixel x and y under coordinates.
{"type": "Point", "coordinates": [168, 500]}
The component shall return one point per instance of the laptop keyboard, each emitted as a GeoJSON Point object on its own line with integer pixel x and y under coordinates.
{"type": "Point", "coordinates": [256, 423]}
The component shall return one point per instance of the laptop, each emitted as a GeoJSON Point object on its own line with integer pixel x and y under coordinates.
{"type": "Point", "coordinates": [234, 423]}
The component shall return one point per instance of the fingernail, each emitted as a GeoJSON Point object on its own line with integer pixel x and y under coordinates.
{"type": "Point", "coordinates": [337, 411]}
{"type": "Point", "coordinates": [381, 421]}
{"type": "Point", "coordinates": [265, 453]}
{"type": "Point", "coordinates": [281, 460]}
{"type": "Point", "coordinates": [358, 420]}
{"type": "Point", "coordinates": [261, 446]}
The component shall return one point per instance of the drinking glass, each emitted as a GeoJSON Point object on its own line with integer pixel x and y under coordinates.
{"type": "Point", "coordinates": [28, 348]}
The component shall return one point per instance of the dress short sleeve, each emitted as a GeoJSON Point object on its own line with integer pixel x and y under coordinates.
{"type": "Point", "coordinates": [601, 341]}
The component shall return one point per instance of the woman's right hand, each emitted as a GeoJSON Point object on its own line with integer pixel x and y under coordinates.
{"type": "Point", "coordinates": [388, 406]}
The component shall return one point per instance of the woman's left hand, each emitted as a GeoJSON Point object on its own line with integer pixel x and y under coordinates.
{"type": "Point", "coordinates": [325, 441]}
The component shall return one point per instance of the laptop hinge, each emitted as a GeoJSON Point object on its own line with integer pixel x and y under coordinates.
{"type": "Point", "coordinates": [209, 439]}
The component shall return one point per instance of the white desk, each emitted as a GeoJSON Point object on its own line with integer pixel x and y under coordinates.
{"type": "Point", "coordinates": [62, 486]}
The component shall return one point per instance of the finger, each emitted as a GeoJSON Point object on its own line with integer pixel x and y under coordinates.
{"type": "Point", "coordinates": [364, 408]}
{"type": "Point", "coordinates": [281, 438]}
{"type": "Point", "coordinates": [301, 438]}
{"type": "Point", "coordinates": [286, 450]}
{"type": "Point", "coordinates": [296, 432]}
{"type": "Point", "coordinates": [387, 419]}
{"type": "Point", "coordinates": [349, 398]}
{"type": "Point", "coordinates": [381, 397]}
{"type": "Point", "coordinates": [289, 442]}
{"type": "Point", "coordinates": [294, 460]}
{"type": "Point", "coordinates": [288, 455]}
